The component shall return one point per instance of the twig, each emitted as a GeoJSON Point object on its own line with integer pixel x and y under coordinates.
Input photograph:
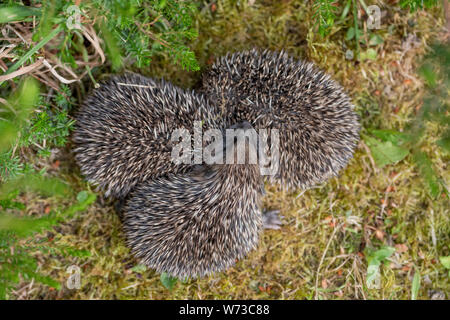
{"type": "Point", "coordinates": [95, 43]}
{"type": "Point", "coordinates": [33, 50]}
{"type": "Point", "coordinates": [321, 260]}
{"type": "Point", "coordinates": [60, 78]}
{"type": "Point", "coordinates": [21, 71]}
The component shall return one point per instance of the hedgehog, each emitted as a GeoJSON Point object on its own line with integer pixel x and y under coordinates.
{"type": "Point", "coordinates": [193, 224]}
{"type": "Point", "coordinates": [318, 129]}
{"type": "Point", "coordinates": [190, 221]}
{"type": "Point", "coordinates": [123, 131]}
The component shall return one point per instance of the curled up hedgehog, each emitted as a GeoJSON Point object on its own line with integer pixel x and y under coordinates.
{"type": "Point", "coordinates": [200, 222]}
{"type": "Point", "coordinates": [318, 129]}
{"type": "Point", "coordinates": [123, 131]}
{"type": "Point", "coordinates": [192, 220]}
{"type": "Point", "coordinates": [187, 220]}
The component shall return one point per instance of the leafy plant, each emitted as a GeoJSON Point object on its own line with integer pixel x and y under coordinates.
{"type": "Point", "coordinates": [130, 33]}
{"type": "Point", "coordinates": [45, 129]}
{"type": "Point", "coordinates": [374, 260]}
{"type": "Point", "coordinates": [414, 5]}
{"type": "Point", "coordinates": [325, 16]}
{"type": "Point", "coordinates": [415, 285]}
{"type": "Point", "coordinates": [168, 281]}
{"type": "Point", "coordinates": [143, 29]}
{"type": "Point", "coordinates": [445, 261]}
{"type": "Point", "coordinates": [390, 146]}
{"type": "Point", "coordinates": [16, 260]}
{"type": "Point", "coordinates": [71, 42]}
{"type": "Point", "coordinates": [386, 151]}
{"type": "Point", "coordinates": [139, 268]}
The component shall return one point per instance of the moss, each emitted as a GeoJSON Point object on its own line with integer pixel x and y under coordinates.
{"type": "Point", "coordinates": [318, 251]}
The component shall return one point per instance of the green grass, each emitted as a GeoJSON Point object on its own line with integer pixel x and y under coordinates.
{"type": "Point", "coordinates": [331, 233]}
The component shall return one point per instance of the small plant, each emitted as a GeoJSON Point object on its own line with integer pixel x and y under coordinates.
{"type": "Point", "coordinates": [143, 29]}
{"type": "Point", "coordinates": [445, 261]}
{"type": "Point", "coordinates": [374, 260]}
{"type": "Point", "coordinates": [18, 130]}
{"type": "Point", "coordinates": [59, 43]}
{"type": "Point", "coordinates": [168, 281]}
{"type": "Point", "coordinates": [16, 259]}
{"type": "Point", "coordinates": [415, 285]}
{"type": "Point", "coordinates": [131, 32]}
{"type": "Point", "coordinates": [415, 5]}
{"type": "Point", "coordinates": [391, 146]}
{"type": "Point", "coordinates": [326, 16]}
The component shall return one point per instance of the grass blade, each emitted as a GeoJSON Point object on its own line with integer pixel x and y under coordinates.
{"type": "Point", "coordinates": [17, 13]}
{"type": "Point", "coordinates": [33, 50]}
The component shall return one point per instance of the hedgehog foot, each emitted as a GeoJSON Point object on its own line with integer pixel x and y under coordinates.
{"type": "Point", "coordinates": [271, 219]}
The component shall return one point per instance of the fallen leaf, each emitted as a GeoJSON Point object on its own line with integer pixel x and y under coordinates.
{"type": "Point", "coordinates": [210, 60]}
{"type": "Point", "coordinates": [379, 234]}
{"type": "Point", "coordinates": [393, 174]}
{"type": "Point", "coordinates": [400, 248]}
{"type": "Point", "coordinates": [389, 189]}
{"type": "Point", "coordinates": [55, 164]}
{"type": "Point", "coordinates": [406, 268]}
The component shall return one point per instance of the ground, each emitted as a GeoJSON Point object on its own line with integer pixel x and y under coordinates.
{"type": "Point", "coordinates": [321, 251]}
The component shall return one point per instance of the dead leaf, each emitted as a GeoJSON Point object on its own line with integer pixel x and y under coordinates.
{"type": "Point", "coordinates": [210, 60]}
{"type": "Point", "coordinates": [339, 293]}
{"type": "Point", "coordinates": [55, 164]}
{"type": "Point", "coordinates": [401, 247]}
{"type": "Point", "coordinates": [379, 234]}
